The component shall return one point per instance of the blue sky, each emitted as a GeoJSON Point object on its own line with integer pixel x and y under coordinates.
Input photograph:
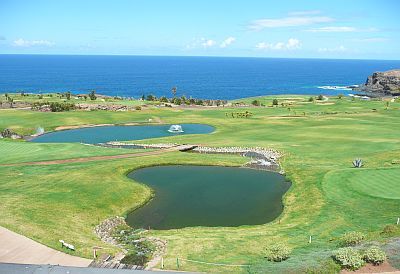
{"type": "Point", "coordinates": [358, 29]}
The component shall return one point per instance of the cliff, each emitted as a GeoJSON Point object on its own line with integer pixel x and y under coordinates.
{"type": "Point", "coordinates": [387, 82]}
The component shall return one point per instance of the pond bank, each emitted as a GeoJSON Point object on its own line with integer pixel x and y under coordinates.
{"type": "Point", "coordinates": [261, 158]}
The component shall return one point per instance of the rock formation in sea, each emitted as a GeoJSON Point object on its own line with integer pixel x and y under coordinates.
{"type": "Point", "coordinates": [387, 82]}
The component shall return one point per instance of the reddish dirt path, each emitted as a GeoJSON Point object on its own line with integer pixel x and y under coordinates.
{"type": "Point", "coordinates": [95, 158]}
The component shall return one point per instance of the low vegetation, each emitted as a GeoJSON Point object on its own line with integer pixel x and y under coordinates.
{"type": "Point", "coordinates": [374, 255]}
{"type": "Point", "coordinates": [277, 252]}
{"type": "Point", "coordinates": [352, 238]}
{"type": "Point", "coordinates": [349, 258]}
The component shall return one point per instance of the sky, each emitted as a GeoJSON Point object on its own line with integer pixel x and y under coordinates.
{"type": "Point", "coordinates": [343, 29]}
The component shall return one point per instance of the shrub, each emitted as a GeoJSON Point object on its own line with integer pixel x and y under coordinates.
{"type": "Point", "coordinates": [255, 103]}
{"type": "Point", "coordinates": [136, 258]}
{"type": "Point", "coordinates": [374, 255]}
{"type": "Point", "coordinates": [320, 97]}
{"type": "Point", "coordinates": [348, 258]}
{"type": "Point", "coordinates": [59, 107]}
{"type": "Point", "coordinates": [275, 102]}
{"type": "Point", "coordinates": [390, 230]}
{"type": "Point", "coordinates": [311, 99]}
{"type": "Point", "coordinates": [352, 238]}
{"type": "Point", "coordinates": [277, 252]}
{"type": "Point", "coordinates": [138, 108]}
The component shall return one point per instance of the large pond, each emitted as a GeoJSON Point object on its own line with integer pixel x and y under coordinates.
{"type": "Point", "coordinates": [187, 196]}
{"type": "Point", "coordinates": [103, 134]}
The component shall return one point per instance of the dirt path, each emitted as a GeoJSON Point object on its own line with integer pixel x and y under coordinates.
{"type": "Point", "coordinates": [15, 248]}
{"type": "Point", "coordinates": [95, 158]}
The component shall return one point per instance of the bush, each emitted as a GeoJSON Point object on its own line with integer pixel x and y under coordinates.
{"type": "Point", "coordinates": [311, 99]}
{"type": "Point", "coordinates": [277, 252]}
{"type": "Point", "coordinates": [138, 108]}
{"type": "Point", "coordinates": [374, 255]}
{"type": "Point", "coordinates": [136, 258]}
{"type": "Point", "coordinates": [352, 238]}
{"type": "Point", "coordinates": [255, 103]}
{"type": "Point", "coordinates": [390, 230]}
{"type": "Point", "coordinates": [348, 258]}
{"type": "Point", "coordinates": [275, 102]}
{"type": "Point", "coordinates": [60, 107]}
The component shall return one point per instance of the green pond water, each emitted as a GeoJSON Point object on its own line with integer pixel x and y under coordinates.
{"type": "Point", "coordinates": [103, 134]}
{"type": "Point", "coordinates": [188, 196]}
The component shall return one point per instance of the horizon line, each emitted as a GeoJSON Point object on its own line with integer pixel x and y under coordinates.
{"type": "Point", "coordinates": [199, 56]}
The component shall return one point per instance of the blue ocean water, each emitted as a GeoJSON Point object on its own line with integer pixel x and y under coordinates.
{"type": "Point", "coordinates": [198, 77]}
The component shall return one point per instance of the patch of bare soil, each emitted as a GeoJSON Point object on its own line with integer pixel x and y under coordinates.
{"type": "Point", "coordinates": [370, 268]}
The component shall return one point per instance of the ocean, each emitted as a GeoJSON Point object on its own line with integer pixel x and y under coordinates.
{"type": "Point", "coordinates": [197, 77]}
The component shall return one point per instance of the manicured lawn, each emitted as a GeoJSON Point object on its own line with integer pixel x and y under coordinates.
{"type": "Point", "coordinates": [381, 183]}
{"type": "Point", "coordinates": [20, 151]}
{"type": "Point", "coordinates": [319, 141]}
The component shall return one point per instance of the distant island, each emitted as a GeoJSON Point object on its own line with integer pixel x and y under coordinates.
{"type": "Point", "coordinates": [387, 83]}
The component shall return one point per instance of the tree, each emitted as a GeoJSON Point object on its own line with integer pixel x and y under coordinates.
{"type": "Point", "coordinates": [92, 95]}
{"type": "Point", "coordinates": [320, 97]}
{"type": "Point", "coordinates": [275, 102]}
{"type": "Point", "coordinates": [173, 90]}
{"type": "Point", "coordinates": [68, 95]}
{"type": "Point", "coordinates": [143, 97]}
{"type": "Point", "coordinates": [311, 99]}
{"type": "Point", "coordinates": [164, 99]}
{"type": "Point", "coordinates": [255, 103]}
{"type": "Point", "coordinates": [151, 97]}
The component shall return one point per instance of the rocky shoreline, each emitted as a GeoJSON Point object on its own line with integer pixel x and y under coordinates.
{"type": "Point", "coordinates": [105, 232]}
{"type": "Point", "coordinates": [261, 158]}
{"type": "Point", "coordinates": [384, 83]}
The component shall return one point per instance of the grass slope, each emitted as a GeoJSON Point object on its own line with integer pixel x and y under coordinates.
{"type": "Point", "coordinates": [319, 141]}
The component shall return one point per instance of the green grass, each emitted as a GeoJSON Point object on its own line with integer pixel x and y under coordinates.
{"type": "Point", "coordinates": [319, 141]}
{"type": "Point", "coordinates": [20, 151]}
{"type": "Point", "coordinates": [381, 183]}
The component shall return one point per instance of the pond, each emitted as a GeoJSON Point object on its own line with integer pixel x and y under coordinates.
{"type": "Point", "coordinates": [188, 196]}
{"type": "Point", "coordinates": [103, 134]}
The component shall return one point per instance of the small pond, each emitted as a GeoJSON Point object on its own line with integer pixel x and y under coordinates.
{"type": "Point", "coordinates": [103, 134]}
{"type": "Point", "coordinates": [187, 196]}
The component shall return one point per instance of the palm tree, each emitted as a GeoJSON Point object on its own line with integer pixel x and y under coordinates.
{"type": "Point", "coordinates": [173, 90]}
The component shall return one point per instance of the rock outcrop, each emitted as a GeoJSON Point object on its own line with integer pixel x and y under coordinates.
{"type": "Point", "coordinates": [387, 82]}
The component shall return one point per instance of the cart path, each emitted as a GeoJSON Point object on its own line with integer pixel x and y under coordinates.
{"type": "Point", "coordinates": [15, 248]}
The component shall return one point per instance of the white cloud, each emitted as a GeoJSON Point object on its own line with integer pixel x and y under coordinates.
{"type": "Point", "coordinates": [336, 49]}
{"type": "Point", "coordinates": [291, 44]}
{"type": "Point", "coordinates": [290, 21]}
{"type": "Point", "coordinates": [31, 43]}
{"type": "Point", "coordinates": [333, 29]}
{"type": "Point", "coordinates": [228, 41]}
{"type": "Point", "coordinates": [207, 43]}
